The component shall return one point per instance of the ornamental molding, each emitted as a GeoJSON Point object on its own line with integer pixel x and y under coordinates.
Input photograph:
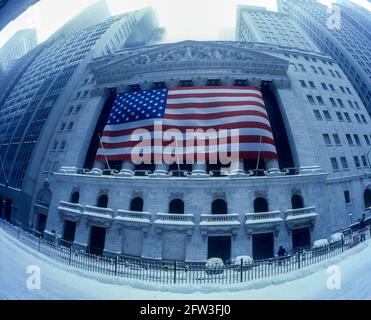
{"type": "Point", "coordinates": [210, 58]}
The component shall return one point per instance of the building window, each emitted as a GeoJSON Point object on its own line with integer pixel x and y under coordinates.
{"type": "Point", "coordinates": [302, 83]}
{"type": "Point", "coordinates": [75, 197]}
{"type": "Point", "coordinates": [312, 85]}
{"type": "Point", "coordinates": [321, 70]}
{"type": "Point", "coordinates": [363, 118]}
{"type": "Point", "coordinates": [320, 100]}
{"type": "Point", "coordinates": [347, 196]}
{"type": "Point", "coordinates": [364, 161]}
{"type": "Point", "coordinates": [63, 145]}
{"type": "Point", "coordinates": [136, 204]}
{"type": "Point", "coordinates": [336, 139]}
{"type": "Point", "coordinates": [334, 163]}
{"type": "Point", "coordinates": [327, 139]}
{"type": "Point", "coordinates": [333, 103]}
{"type": "Point", "coordinates": [367, 139]}
{"type": "Point", "coordinates": [260, 205]}
{"type": "Point", "coordinates": [102, 201]}
{"type": "Point", "coordinates": [338, 74]}
{"type": "Point", "coordinates": [219, 206]}
{"type": "Point", "coordinates": [327, 115]}
{"type": "Point", "coordinates": [350, 104]}
{"type": "Point", "coordinates": [176, 206]}
{"type": "Point", "coordinates": [314, 69]}
{"type": "Point", "coordinates": [70, 126]}
{"type": "Point", "coordinates": [301, 67]}
{"type": "Point", "coordinates": [340, 116]}
{"type": "Point", "coordinates": [356, 161]}
{"type": "Point", "coordinates": [356, 139]}
{"type": "Point", "coordinates": [346, 114]}
{"type": "Point", "coordinates": [349, 139]}
{"type": "Point", "coordinates": [317, 114]}
{"type": "Point", "coordinates": [357, 118]}
{"type": "Point", "coordinates": [341, 104]}
{"type": "Point", "coordinates": [324, 86]}
{"type": "Point", "coordinates": [344, 162]}
{"type": "Point", "coordinates": [55, 145]}
{"type": "Point", "coordinates": [297, 202]}
{"type": "Point", "coordinates": [331, 87]}
{"type": "Point", "coordinates": [310, 99]}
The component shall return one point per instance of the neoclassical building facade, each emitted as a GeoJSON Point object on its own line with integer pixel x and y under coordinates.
{"type": "Point", "coordinates": [202, 211]}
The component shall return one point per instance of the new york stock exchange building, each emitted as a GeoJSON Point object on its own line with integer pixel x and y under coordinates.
{"type": "Point", "coordinates": [297, 180]}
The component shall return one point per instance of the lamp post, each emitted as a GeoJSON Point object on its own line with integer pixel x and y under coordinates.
{"type": "Point", "coordinates": [351, 218]}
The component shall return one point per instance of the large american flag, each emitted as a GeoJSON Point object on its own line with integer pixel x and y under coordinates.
{"type": "Point", "coordinates": [185, 108]}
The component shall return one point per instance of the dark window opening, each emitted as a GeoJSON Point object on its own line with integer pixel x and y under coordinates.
{"type": "Point", "coordinates": [297, 202]}
{"type": "Point", "coordinates": [219, 247]}
{"type": "Point", "coordinates": [262, 246]}
{"type": "Point", "coordinates": [219, 206]}
{"type": "Point", "coordinates": [301, 238]}
{"type": "Point", "coordinates": [260, 205]}
{"type": "Point", "coordinates": [97, 240]}
{"type": "Point", "coordinates": [176, 206]}
{"type": "Point", "coordinates": [102, 201]}
{"type": "Point", "coordinates": [75, 197]}
{"type": "Point", "coordinates": [347, 196]}
{"type": "Point", "coordinates": [69, 231]}
{"type": "Point", "coordinates": [367, 198]}
{"type": "Point", "coordinates": [136, 204]}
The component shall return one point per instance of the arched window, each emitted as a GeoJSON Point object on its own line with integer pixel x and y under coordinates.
{"type": "Point", "coordinates": [219, 206]}
{"type": "Point", "coordinates": [297, 202]}
{"type": "Point", "coordinates": [260, 205]}
{"type": "Point", "coordinates": [102, 201]}
{"type": "Point", "coordinates": [367, 198]}
{"type": "Point", "coordinates": [75, 197]}
{"type": "Point", "coordinates": [176, 206]}
{"type": "Point", "coordinates": [136, 204]}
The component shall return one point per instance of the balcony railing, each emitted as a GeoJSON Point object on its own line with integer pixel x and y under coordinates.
{"type": "Point", "coordinates": [263, 217]}
{"type": "Point", "coordinates": [70, 207]}
{"type": "Point", "coordinates": [133, 216]}
{"type": "Point", "coordinates": [219, 219]}
{"type": "Point", "coordinates": [174, 219]}
{"type": "Point", "coordinates": [301, 211]}
{"type": "Point", "coordinates": [98, 212]}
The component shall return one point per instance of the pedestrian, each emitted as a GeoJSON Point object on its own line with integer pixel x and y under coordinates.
{"type": "Point", "coordinates": [281, 251]}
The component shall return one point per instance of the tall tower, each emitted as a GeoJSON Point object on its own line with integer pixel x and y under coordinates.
{"type": "Point", "coordinates": [16, 47]}
{"type": "Point", "coordinates": [343, 32]}
{"type": "Point", "coordinates": [31, 104]}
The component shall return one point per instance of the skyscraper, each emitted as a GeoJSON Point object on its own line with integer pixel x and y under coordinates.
{"type": "Point", "coordinates": [17, 46]}
{"type": "Point", "coordinates": [343, 33]}
{"type": "Point", "coordinates": [257, 24]}
{"type": "Point", "coordinates": [42, 83]}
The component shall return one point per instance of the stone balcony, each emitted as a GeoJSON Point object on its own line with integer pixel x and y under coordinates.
{"type": "Point", "coordinates": [303, 217]}
{"type": "Point", "coordinates": [133, 219]}
{"type": "Point", "coordinates": [219, 223]}
{"type": "Point", "coordinates": [70, 211]}
{"type": "Point", "coordinates": [263, 222]}
{"type": "Point", "coordinates": [98, 216]}
{"type": "Point", "coordinates": [173, 221]}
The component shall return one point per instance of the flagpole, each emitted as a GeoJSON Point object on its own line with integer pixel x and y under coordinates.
{"type": "Point", "coordinates": [105, 155]}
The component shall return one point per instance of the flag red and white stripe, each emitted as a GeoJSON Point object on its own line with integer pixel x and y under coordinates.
{"type": "Point", "coordinates": [200, 108]}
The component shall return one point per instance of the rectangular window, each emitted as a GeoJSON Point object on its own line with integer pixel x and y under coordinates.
{"type": "Point", "coordinates": [346, 114]}
{"type": "Point", "coordinates": [320, 100]}
{"type": "Point", "coordinates": [301, 67]}
{"type": "Point", "coordinates": [327, 139]}
{"type": "Point", "coordinates": [321, 70]}
{"type": "Point", "coordinates": [327, 115]}
{"type": "Point", "coordinates": [367, 139]}
{"type": "Point", "coordinates": [347, 196]}
{"type": "Point", "coordinates": [336, 139]}
{"type": "Point", "coordinates": [333, 103]}
{"type": "Point", "coordinates": [311, 84]}
{"type": "Point", "coordinates": [349, 139]}
{"type": "Point", "coordinates": [331, 87]}
{"type": "Point", "coordinates": [314, 69]}
{"type": "Point", "coordinates": [356, 139]}
{"type": "Point", "coordinates": [350, 104]}
{"type": "Point", "coordinates": [357, 117]}
{"type": "Point", "coordinates": [357, 105]}
{"type": "Point", "coordinates": [348, 90]}
{"type": "Point", "coordinates": [317, 114]}
{"type": "Point", "coordinates": [356, 162]}
{"type": "Point", "coordinates": [302, 83]}
{"type": "Point", "coordinates": [340, 102]}
{"type": "Point", "coordinates": [344, 162]}
{"type": "Point", "coordinates": [324, 86]}
{"type": "Point", "coordinates": [338, 74]}
{"type": "Point", "coordinates": [334, 163]}
{"type": "Point", "coordinates": [342, 89]}
{"type": "Point", "coordinates": [332, 73]}
{"type": "Point", "coordinates": [340, 116]}
{"type": "Point", "coordinates": [363, 118]}
{"type": "Point", "coordinates": [364, 161]}
{"type": "Point", "coordinates": [310, 99]}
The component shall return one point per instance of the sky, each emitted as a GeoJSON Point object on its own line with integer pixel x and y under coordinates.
{"type": "Point", "coordinates": [213, 19]}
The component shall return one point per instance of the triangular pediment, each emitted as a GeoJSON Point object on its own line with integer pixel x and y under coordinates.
{"type": "Point", "coordinates": [186, 54]}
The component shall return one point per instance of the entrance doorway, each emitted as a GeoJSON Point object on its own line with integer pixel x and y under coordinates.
{"type": "Point", "coordinates": [301, 238]}
{"type": "Point", "coordinates": [8, 209]}
{"type": "Point", "coordinates": [69, 232]}
{"type": "Point", "coordinates": [262, 246]}
{"type": "Point", "coordinates": [41, 224]}
{"type": "Point", "coordinates": [97, 240]}
{"type": "Point", "coordinates": [219, 247]}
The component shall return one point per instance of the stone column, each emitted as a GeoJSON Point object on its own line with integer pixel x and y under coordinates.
{"type": "Point", "coordinates": [199, 170]}
{"type": "Point", "coordinates": [82, 235]}
{"type": "Point", "coordinates": [237, 168]}
{"type": "Point", "coordinates": [273, 168]}
{"type": "Point", "coordinates": [98, 167]}
{"type": "Point", "coordinates": [113, 243]}
{"type": "Point", "coordinates": [162, 170]}
{"type": "Point", "coordinates": [127, 168]}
